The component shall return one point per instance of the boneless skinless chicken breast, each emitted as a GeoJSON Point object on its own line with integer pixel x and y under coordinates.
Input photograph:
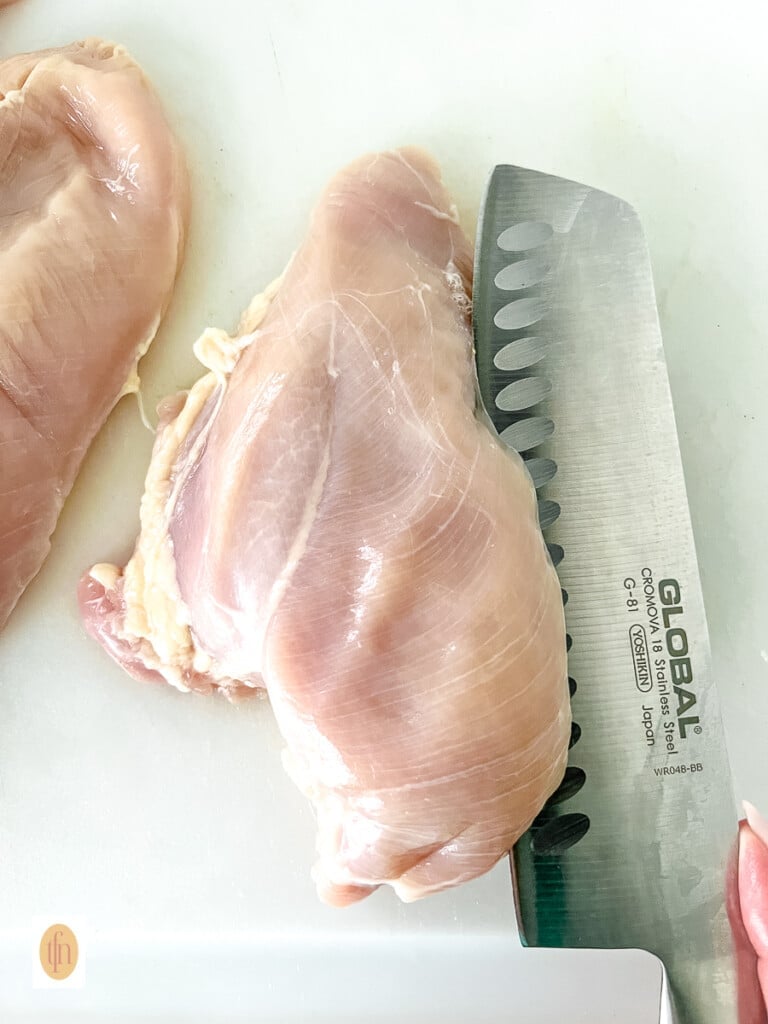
{"type": "Point", "coordinates": [327, 516]}
{"type": "Point", "coordinates": [93, 209]}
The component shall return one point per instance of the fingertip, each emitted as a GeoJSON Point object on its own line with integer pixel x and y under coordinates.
{"type": "Point", "coordinates": [756, 821]}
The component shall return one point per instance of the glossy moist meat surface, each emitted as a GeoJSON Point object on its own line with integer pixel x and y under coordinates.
{"type": "Point", "coordinates": [93, 209]}
{"type": "Point", "coordinates": [327, 516]}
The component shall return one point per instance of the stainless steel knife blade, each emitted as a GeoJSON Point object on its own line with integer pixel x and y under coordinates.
{"type": "Point", "coordinates": [632, 851]}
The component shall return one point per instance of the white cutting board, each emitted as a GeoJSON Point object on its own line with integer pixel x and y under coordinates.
{"type": "Point", "coordinates": [163, 823]}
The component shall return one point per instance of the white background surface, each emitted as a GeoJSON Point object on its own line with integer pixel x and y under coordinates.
{"type": "Point", "coordinates": [165, 820]}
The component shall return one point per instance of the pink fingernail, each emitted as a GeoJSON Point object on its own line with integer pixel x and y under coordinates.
{"type": "Point", "coordinates": [756, 821]}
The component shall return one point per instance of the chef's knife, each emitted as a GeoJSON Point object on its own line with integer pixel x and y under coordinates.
{"type": "Point", "coordinates": [632, 850]}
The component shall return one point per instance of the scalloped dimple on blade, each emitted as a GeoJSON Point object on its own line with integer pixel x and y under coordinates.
{"type": "Point", "coordinates": [512, 281]}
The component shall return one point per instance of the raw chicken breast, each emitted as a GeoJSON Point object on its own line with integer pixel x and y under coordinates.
{"type": "Point", "coordinates": [328, 516]}
{"type": "Point", "coordinates": [93, 210]}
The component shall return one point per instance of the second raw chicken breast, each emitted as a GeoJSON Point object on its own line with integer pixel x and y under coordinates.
{"type": "Point", "coordinates": [93, 216]}
{"type": "Point", "coordinates": [327, 516]}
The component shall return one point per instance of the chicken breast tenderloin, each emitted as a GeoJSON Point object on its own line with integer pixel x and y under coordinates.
{"type": "Point", "coordinates": [328, 516]}
{"type": "Point", "coordinates": [93, 211]}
